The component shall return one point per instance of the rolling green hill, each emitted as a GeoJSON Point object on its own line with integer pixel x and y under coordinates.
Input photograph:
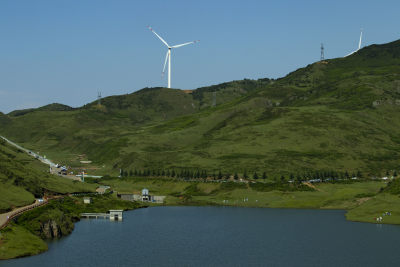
{"type": "Point", "coordinates": [50, 107]}
{"type": "Point", "coordinates": [22, 178]}
{"type": "Point", "coordinates": [336, 115]}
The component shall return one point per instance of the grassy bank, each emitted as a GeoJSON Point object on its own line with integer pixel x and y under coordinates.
{"type": "Point", "coordinates": [26, 235]}
{"type": "Point", "coordinates": [322, 195]}
{"type": "Point", "coordinates": [16, 241]}
{"type": "Point", "coordinates": [364, 200]}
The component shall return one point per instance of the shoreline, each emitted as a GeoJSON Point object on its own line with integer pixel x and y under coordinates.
{"type": "Point", "coordinates": [351, 205]}
{"type": "Point", "coordinates": [205, 205]}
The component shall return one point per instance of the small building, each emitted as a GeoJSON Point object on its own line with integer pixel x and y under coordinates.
{"type": "Point", "coordinates": [127, 197]}
{"type": "Point", "coordinates": [87, 200]}
{"type": "Point", "coordinates": [144, 197]}
{"type": "Point", "coordinates": [116, 215]}
{"type": "Point", "coordinates": [158, 199]}
{"type": "Point", "coordinates": [145, 192]}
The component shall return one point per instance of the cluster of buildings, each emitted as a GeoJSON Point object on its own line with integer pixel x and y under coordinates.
{"type": "Point", "coordinates": [144, 197]}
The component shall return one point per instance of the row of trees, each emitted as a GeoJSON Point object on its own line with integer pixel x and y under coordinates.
{"type": "Point", "coordinates": [203, 174]}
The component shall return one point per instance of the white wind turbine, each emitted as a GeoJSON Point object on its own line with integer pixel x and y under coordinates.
{"type": "Point", "coordinates": [168, 55]}
{"type": "Point", "coordinates": [359, 44]}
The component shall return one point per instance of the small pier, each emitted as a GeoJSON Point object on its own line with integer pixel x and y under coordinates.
{"type": "Point", "coordinates": [113, 215]}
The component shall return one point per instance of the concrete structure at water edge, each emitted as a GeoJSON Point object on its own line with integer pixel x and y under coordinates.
{"type": "Point", "coordinates": [116, 215]}
{"type": "Point", "coordinates": [112, 215]}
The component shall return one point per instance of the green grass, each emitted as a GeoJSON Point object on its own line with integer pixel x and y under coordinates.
{"type": "Point", "coordinates": [22, 178]}
{"type": "Point", "coordinates": [375, 207]}
{"type": "Point", "coordinates": [16, 241]}
{"type": "Point", "coordinates": [324, 196]}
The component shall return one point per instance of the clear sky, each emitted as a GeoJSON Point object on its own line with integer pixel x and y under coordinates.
{"type": "Point", "coordinates": [66, 51]}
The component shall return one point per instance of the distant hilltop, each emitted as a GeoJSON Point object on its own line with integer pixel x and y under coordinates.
{"type": "Point", "coordinates": [339, 114]}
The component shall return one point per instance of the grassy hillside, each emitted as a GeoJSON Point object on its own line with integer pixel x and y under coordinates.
{"type": "Point", "coordinates": [23, 178]}
{"type": "Point", "coordinates": [4, 119]}
{"type": "Point", "coordinates": [50, 107]}
{"type": "Point", "coordinates": [336, 115]}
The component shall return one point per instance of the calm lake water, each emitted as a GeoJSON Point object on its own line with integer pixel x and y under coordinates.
{"type": "Point", "coordinates": [223, 236]}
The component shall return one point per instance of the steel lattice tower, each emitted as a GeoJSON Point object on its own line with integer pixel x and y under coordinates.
{"type": "Point", "coordinates": [322, 52]}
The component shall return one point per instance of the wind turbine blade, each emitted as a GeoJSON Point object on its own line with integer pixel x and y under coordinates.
{"type": "Point", "coordinates": [159, 37]}
{"type": "Point", "coordinates": [359, 44]}
{"type": "Point", "coordinates": [165, 64]}
{"type": "Point", "coordinates": [350, 54]}
{"type": "Point", "coordinates": [180, 45]}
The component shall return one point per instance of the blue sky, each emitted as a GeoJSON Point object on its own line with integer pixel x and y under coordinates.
{"type": "Point", "coordinates": [66, 51]}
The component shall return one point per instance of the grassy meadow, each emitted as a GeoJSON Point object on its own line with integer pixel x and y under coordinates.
{"type": "Point", "coordinates": [344, 195]}
{"type": "Point", "coordinates": [23, 178]}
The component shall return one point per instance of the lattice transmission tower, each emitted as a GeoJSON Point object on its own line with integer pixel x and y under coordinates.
{"type": "Point", "coordinates": [322, 52]}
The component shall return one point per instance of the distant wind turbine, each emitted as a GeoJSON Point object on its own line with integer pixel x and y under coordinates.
{"type": "Point", "coordinates": [359, 44]}
{"type": "Point", "coordinates": [168, 55]}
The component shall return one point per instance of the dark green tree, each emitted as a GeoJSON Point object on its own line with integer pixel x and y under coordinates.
{"type": "Point", "coordinates": [264, 175]}
{"type": "Point", "coordinates": [236, 176]}
{"type": "Point", "coordinates": [255, 176]}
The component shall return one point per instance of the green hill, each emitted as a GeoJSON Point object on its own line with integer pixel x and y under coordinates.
{"type": "Point", "coordinates": [50, 107]}
{"type": "Point", "coordinates": [336, 115]}
{"type": "Point", "coordinates": [4, 119]}
{"type": "Point", "coordinates": [22, 178]}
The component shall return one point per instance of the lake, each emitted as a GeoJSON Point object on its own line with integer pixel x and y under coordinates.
{"type": "Point", "coordinates": [223, 236]}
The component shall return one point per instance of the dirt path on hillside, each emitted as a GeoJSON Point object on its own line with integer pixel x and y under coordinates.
{"type": "Point", "coordinates": [312, 186]}
{"type": "Point", "coordinates": [6, 217]}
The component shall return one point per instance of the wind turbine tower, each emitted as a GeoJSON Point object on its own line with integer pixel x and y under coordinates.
{"type": "Point", "coordinates": [168, 55]}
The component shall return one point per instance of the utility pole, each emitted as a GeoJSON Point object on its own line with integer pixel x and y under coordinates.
{"type": "Point", "coordinates": [99, 98]}
{"type": "Point", "coordinates": [214, 99]}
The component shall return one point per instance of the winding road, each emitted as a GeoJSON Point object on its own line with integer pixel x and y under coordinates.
{"type": "Point", "coordinates": [29, 152]}
{"type": "Point", "coordinates": [5, 218]}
